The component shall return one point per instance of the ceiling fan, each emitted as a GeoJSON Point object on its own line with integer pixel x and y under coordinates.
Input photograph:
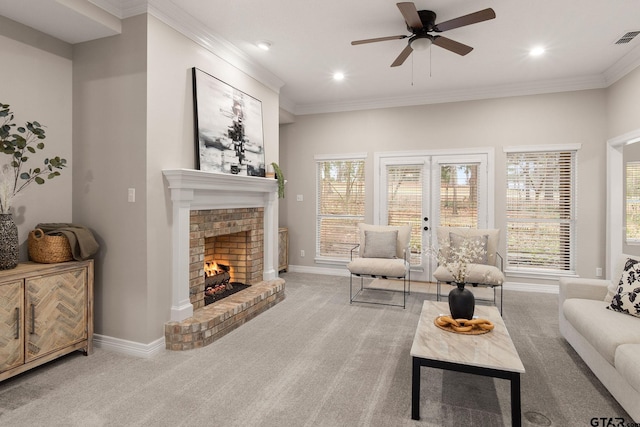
{"type": "Point", "coordinates": [422, 22]}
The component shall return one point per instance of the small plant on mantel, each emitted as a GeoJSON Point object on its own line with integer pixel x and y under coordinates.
{"type": "Point", "coordinates": [19, 142]}
{"type": "Point", "coordinates": [280, 178]}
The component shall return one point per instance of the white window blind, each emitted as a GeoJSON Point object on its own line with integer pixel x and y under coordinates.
{"type": "Point", "coordinates": [632, 202]}
{"type": "Point", "coordinates": [404, 203]}
{"type": "Point", "coordinates": [459, 195]}
{"type": "Point", "coordinates": [340, 206]}
{"type": "Point", "coordinates": [540, 211]}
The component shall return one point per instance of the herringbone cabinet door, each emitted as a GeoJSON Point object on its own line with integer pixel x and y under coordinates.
{"type": "Point", "coordinates": [56, 312]}
{"type": "Point", "coordinates": [11, 320]}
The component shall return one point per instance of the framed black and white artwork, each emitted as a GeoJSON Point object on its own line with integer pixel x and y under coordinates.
{"type": "Point", "coordinates": [228, 128]}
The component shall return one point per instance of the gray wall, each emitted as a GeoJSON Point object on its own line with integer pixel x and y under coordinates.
{"type": "Point", "coordinates": [561, 118]}
{"type": "Point", "coordinates": [36, 82]}
{"type": "Point", "coordinates": [110, 134]}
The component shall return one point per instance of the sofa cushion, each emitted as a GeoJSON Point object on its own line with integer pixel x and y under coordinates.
{"type": "Point", "coordinates": [627, 297]}
{"type": "Point", "coordinates": [628, 364]}
{"type": "Point", "coordinates": [476, 273]}
{"type": "Point", "coordinates": [380, 244]}
{"type": "Point", "coordinates": [604, 329]}
{"type": "Point", "coordinates": [394, 267]}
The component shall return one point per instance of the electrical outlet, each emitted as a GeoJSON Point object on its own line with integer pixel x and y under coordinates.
{"type": "Point", "coordinates": [131, 195]}
{"type": "Point", "coordinates": [598, 272]}
{"type": "Point", "coordinates": [299, 197]}
{"type": "Point", "coordinates": [302, 253]}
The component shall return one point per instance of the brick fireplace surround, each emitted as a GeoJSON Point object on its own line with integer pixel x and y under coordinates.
{"type": "Point", "coordinates": [240, 208]}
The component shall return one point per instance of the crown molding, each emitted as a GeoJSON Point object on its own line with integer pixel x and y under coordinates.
{"type": "Point", "coordinates": [624, 66]}
{"type": "Point", "coordinates": [122, 8]}
{"type": "Point", "coordinates": [488, 92]}
{"type": "Point", "coordinates": [172, 15]}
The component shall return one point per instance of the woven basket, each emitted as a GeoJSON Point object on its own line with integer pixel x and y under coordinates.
{"type": "Point", "coordinates": [47, 249]}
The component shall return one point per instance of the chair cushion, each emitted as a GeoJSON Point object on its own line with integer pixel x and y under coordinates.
{"type": "Point", "coordinates": [380, 244]}
{"type": "Point", "coordinates": [479, 274]}
{"type": "Point", "coordinates": [404, 235]}
{"type": "Point", "coordinates": [457, 242]}
{"type": "Point", "coordinates": [393, 267]}
{"type": "Point", "coordinates": [493, 238]}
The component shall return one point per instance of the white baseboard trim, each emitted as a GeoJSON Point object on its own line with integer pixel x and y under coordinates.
{"type": "Point", "coordinates": [511, 286]}
{"type": "Point", "coordinates": [130, 348]}
{"type": "Point", "coordinates": [319, 270]}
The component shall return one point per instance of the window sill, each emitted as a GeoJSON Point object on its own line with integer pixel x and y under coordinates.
{"type": "Point", "coordinates": [547, 275]}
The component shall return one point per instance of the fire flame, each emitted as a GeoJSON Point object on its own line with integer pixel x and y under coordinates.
{"type": "Point", "coordinates": [211, 268]}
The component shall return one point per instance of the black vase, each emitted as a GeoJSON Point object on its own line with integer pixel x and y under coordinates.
{"type": "Point", "coordinates": [9, 249]}
{"type": "Point", "coordinates": [462, 303]}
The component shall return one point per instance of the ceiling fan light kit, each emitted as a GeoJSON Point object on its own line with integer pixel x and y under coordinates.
{"type": "Point", "coordinates": [420, 42]}
{"type": "Point", "coordinates": [422, 22]}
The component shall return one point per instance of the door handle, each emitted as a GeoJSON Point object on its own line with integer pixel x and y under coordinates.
{"type": "Point", "coordinates": [17, 323]}
{"type": "Point", "coordinates": [33, 319]}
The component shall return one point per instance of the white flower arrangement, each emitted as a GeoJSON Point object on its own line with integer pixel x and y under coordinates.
{"type": "Point", "coordinates": [6, 189]}
{"type": "Point", "coordinates": [459, 260]}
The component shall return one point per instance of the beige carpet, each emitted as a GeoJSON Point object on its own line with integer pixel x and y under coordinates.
{"type": "Point", "coordinates": [313, 360]}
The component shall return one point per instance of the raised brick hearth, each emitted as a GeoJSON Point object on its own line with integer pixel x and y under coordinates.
{"type": "Point", "coordinates": [218, 319]}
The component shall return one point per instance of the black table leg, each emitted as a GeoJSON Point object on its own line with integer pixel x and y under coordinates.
{"type": "Point", "coordinates": [516, 415]}
{"type": "Point", "coordinates": [415, 390]}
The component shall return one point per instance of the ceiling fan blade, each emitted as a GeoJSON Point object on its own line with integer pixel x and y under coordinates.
{"type": "Point", "coordinates": [379, 39]}
{"type": "Point", "coordinates": [410, 14]}
{"type": "Point", "coordinates": [472, 18]}
{"type": "Point", "coordinates": [403, 56]}
{"type": "Point", "coordinates": [452, 45]}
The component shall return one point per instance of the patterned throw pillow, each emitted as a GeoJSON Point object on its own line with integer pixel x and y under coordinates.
{"type": "Point", "coordinates": [627, 298]}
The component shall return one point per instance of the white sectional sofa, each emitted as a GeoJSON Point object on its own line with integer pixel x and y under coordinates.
{"type": "Point", "coordinates": [608, 341]}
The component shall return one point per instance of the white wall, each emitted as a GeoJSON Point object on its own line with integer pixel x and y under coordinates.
{"type": "Point", "coordinates": [573, 117]}
{"type": "Point", "coordinates": [36, 82]}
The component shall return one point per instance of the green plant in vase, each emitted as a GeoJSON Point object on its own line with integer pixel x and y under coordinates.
{"type": "Point", "coordinates": [19, 143]}
{"type": "Point", "coordinates": [280, 178]}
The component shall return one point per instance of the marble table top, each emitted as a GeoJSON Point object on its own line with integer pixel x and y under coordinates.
{"type": "Point", "coordinates": [493, 350]}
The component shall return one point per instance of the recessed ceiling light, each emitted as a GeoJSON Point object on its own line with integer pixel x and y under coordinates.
{"type": "Point", "coordinates": [536, 51]}
{"type": "Point", "coordinates": [338, 76]}
{"type": "Point", "coordinates": [264, 45]}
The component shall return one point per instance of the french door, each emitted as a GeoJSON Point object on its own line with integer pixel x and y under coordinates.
{"type": "Point", "coordinates": [427, 191]}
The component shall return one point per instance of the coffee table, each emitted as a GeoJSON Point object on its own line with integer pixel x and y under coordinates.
{"type": "Point", "coordinates": [492, 354]}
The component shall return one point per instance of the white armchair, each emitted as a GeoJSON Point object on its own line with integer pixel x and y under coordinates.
{"type": "Point", "coordinates": [383, 252]}
{"type": "Point", "coordinates": [487, 271]}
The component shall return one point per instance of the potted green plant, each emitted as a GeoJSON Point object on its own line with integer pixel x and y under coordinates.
{"type": "Point", "coordinates": [19, 142]}
{"type": "Point", "coordinates": [280, 178]}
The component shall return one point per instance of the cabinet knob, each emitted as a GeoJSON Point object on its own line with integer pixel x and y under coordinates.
{"type": "Point", "coordinates": [426, 228]}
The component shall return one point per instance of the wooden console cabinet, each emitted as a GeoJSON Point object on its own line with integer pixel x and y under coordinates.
{"type": "Point", "coordinates": [283, 249]}
{"type": "Point", "coordinates": [46, 311]}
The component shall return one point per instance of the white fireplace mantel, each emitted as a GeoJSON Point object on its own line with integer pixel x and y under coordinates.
{"type": "Point", "coordinates": [198, 190]}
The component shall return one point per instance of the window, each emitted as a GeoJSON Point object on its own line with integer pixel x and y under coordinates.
{"type": "Point", "coordinates": [404, 203]}
{"type": "Point", "coordinates": [540, 204]}
{"type": "Point", "coordinates": [632, 202]}
{"type": "Point", "coordinates": [340, 205]}
{"type": "Point", "coordinates": [459, 195]}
